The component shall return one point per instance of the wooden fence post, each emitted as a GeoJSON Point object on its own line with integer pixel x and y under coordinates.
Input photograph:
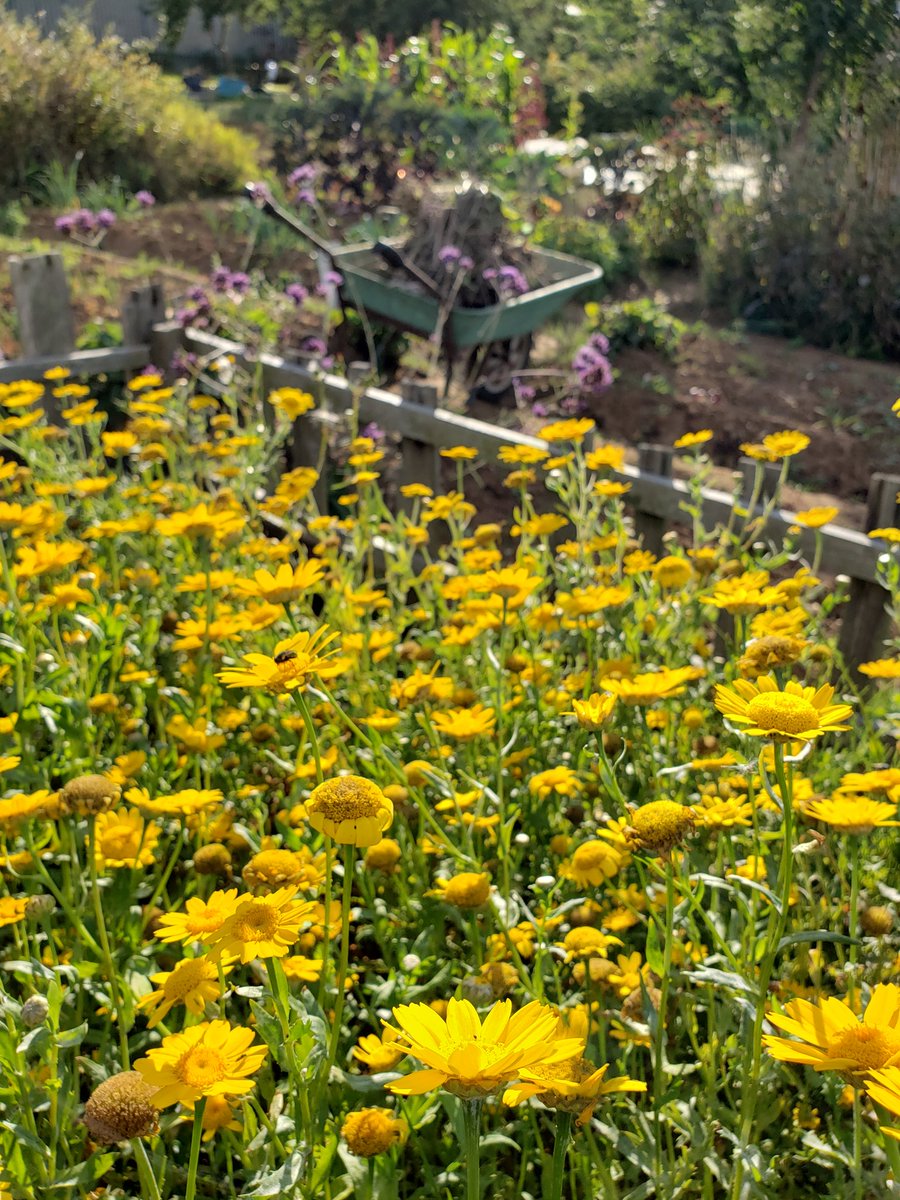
{"type": "Point", "coordinates": [142, 308]}
{"type": "Point", "coordinates": [648, 527]}
{"type": "Point", "coordinates": [865, 623]}
{"type": "Point", "coordinates": [419, 462]}
{"type": "Point", "coordinates": [166, 343]}
{"type": "Point", "coordinates": [43, 304]}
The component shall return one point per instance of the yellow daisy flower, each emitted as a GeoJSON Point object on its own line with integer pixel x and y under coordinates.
{"type": "Point", "coordinates": [209, 1059]}
{"type": "Point", "coordinates": [762, 709]}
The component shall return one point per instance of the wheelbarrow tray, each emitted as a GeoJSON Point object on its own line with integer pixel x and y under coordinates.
{"type": "Point", "coordinates": [368, 286]}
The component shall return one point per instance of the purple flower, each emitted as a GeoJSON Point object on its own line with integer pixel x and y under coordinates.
{"type": "Point", "coordinates": [592, 366]}
{"type": "Point", "coordinates": [297, 292]}
{"type": "Point", "coordinates": [448, 255]}
{"type": "Point", "coordinates": [144, 198]}
{"type": "Point", "coordinates": [540, 410]}
{"type": "Point", "coordinates": [220, 278]}
{"type": "Point", "coordinates": [239, 282]}
{"type": "Point", "coordinates": [106, 218]}
{"type": "Point", "coordinates": [65, 223]}
{"type": "Point", "coordinates": [509, 280]}
{"type": "Point", "coordinates": [373, 431]}
{"type": "Point", "coordinates": [313, 346]}
{"type": "Point", "coordinates": [307, 173]}
{"type": "Point", "coordinates": [333, 278]}
{"type": "Point", "coordinates": [466, 263]}
{"type": "Point", "coordinates": [259, 191]}
{"type": "Point", "coordinates": [524, 391]}
{"type": "Point", "coordinates": [305, 196]}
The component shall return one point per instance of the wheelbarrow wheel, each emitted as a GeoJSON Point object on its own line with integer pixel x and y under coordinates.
{"type": "Point", "coordinates": [494, 368]}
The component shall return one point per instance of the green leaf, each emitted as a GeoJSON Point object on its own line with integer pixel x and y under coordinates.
{"type": "Point", "coordinates": [282, 1180]}
{"type": "Point", "coordinates": [653, 953]}
{"type": "Point", "coordinates": [72, 1037]}
{"type": "Point", "coordinates": [815, 935]}
{"type": "Point", "coordinates": [84, 1174]}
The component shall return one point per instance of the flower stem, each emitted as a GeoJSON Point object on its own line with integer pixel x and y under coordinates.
{"type": "Point", "coordinates": [196, 1132]}
{"type": "Point", "coordinates": [346, 897]}
{"type": "Point", "coordinates": [471, 1138]}
{"type": "Point", "coordinates": [660, 1031]}
{"type": "Point", "coordinates": [149, 1186]}
{"type": "Point", "coordinates": [108, 966]}
{"type": "Point", "coordinates": [560, 1146]}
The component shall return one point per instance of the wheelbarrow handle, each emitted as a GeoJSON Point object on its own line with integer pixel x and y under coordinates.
{"type": "Point", "coordinates": [267, 205]}
{"type": "Point", "coordinates": [396, 259]}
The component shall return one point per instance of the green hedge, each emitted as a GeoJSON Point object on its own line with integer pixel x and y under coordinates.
{"type": "Point", "coordinates": [68, 94]}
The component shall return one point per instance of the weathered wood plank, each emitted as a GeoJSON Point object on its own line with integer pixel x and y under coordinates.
{"type": "Point", "coordinates": [82, 363]}
{"type": "Point", "coordinates": [43, 304]}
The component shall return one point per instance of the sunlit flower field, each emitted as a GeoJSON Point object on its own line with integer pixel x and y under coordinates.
{"type": "Point", "coordinates": [385, 852]}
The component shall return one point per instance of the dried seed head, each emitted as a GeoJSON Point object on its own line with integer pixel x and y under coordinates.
{"type": "Point", "coordinates": [121, 1108]}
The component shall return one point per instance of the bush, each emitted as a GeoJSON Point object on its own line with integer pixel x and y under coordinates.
{"type": "Point", "coordinates": [68, 95]}
{"type": "Point", "coordinates": [594, 241]}
{"type": "Point", "coordinates": [359, 132]}
{"type": "Point", "coordinates": [641, 324]}
{"type": "Point", "coordinates": [815, 257]}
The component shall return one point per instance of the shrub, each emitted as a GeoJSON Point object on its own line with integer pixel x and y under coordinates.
{"type": "Point", "coordinates": [814, 257]}
{"type": "Point", "coordinates": [641, 324]}
{"type": "Point", "coordinates": [67, 95]}
{"type": "Point", "coordinates": [594, 241]}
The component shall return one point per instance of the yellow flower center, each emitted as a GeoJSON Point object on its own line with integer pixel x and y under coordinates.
{"type": "Point", "coordinates": [200, 1067]}
{"type": "Point", "coordinates": [591, 855]}
{"type": "Point", "coordinates": [869, 1048]}
{"type": "Point", "coordinates": [188, 975]}
{"type": "Point", "coordinates": [778, 712]}
{"type": "Point", "coordinates": [348, 799]}
{"type": "Point", "coordinates": [662, 823]}
{"type": "Point", "coordinates": [256, 923]}
{"type": "Point", "coordinates": [208, 920]}
{"type": "Point", "coordinates": [287, 672]}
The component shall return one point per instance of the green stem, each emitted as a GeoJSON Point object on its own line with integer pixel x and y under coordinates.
{"type": "Point", "coordinates": [196, 1132]}
{"type": "Point", "coordinates": [857, 1146]}
{"type": "Point", "coordinates": [149, 1186]}
{"type": "Point", "coordinates": [854, 919]}
{"type": "Point", "coordinates": [660, 1031]}
{"type": "Point", "coordinates": [346, 897]}
{"type": "Point", "coordinates": [108, 966]}
{"type": "Point", "coordinates": [560, 1146]}
{"type": "Point", "coordinates": [471, 1138]}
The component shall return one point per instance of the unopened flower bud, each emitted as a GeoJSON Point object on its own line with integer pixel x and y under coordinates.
{"type": "Point", "coordinates": [34, 1012]}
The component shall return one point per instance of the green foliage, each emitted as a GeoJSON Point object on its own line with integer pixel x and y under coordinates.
{"type": "Point", "coordinates": [669, 225]}
{"type": "Point", "coordinates": [13, 219]}
{"type": "Point", "coordinates": [642, 324]}
{"type": "Point", "coordinates": [815, 258]}
{"type": "Point", "coordinates": [592, 240]}
{"type": "Point", "coordinates": [72, 107]}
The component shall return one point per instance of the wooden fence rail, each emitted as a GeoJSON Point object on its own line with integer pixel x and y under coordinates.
{"type": "Point", "coordinates": [657, 500]}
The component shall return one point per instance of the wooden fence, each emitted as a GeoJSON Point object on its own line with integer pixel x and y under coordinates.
{"type": "Point", "coordinates": [657, 500]}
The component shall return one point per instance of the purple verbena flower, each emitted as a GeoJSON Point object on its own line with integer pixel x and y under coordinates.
{"type": "Point", "coordinates": [144, 198]}
{"type": "Point", "coordinates": [297, 292]}
{"type": "Point", "coordinates": [305, 196]}
{"type": "Point", "coordinates": [373, 431]}
{"type": "Point", "coordinates": [220, 278]}
{"type": "Point", "coordinates": [259, 191]}
{"type": "Point", "coordinates": [314, 346]}
{"type": "Point", "coordinates": [306, 173]}
{"type": "Point", "coordinates": [592, 366]}
{"type": "Point", "coordinates": [65, 223]}
{"type": "Point", "coordinates": [106, 218]}
{"type": "Point", "coordinates": [448, 255]}
{"type": "Point", "coordinates": [239, 282]}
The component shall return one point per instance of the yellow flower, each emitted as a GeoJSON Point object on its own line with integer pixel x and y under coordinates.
{"type": "Point", "coordinates": [209, 1059]}
{"type": "Point", "coordinates": [661, 825]}
{"type": "Point", "coordinates": [465, 724]}
{"type": "Point", "coordinates": [299, 969]}
{"type": "Point", "coordinates": [295, 661]}
{"type": "Point", "coordinates": [260, 926]}
{"type": "Point", "coordinates": [687, 440]}
{"type": "Point", "coordinates": [852, 814]}
{"type": "Point", "coordinates": [288, 583]}
{"type": "Point", "coordinates": [372, 1131]}
{"type": "Point", "coordinates": [12, 909]}
{"type": "Point", "coordinates": [201, 918]}
{"type": "Point", "coordinates": [203, 521]}
{"type": "Point", "coordinates": [881, 668]}
{"type": "Point", "coordinates": [815, 518]}
{"type": "Point", "coordinates": [269, 870]}
{"type": "Point", "coordinates": [384, 855]}
{"type": "Point", "coordinates": [883, 1086]}
{"type": "Point", "coordinates": [562, 780]}
{"type": "Point", "coordinates": [594, 712]}
{"type": "Point", "coordinates": [379, 1053]}
{"type": "Point", "coordinates": [121, 839]}
{"type": "Point", "coordinates": [762, 709]}
{"type": "Point", "coordinates": [573, 1086]}
{"type": "Point", "coordinates": [593, 863]}
{"type": "Point", "coordinates": [651, 685]}
{"type": "Point", "coordinates": [832, 1038]}
{"type": "Point", "coordinates": [471, 1058]}
{"type": "Point", "coordinates": [291, 401]}
{"type": "Point", "coordinates": [459, 453]}
{"type": "Point", "coordinates": [469, 889]}
{"type": "Point", "coordinates": [574, 430]}
{"type": "Point", "coordinates": [218, 1114]}
{"type": "Point", "coordinates": [521, 455]}
{"type": "Point", "coordinates": [890, 533]}
{"type": "Point", "coordinates": [192, 982]}
{"type": "Point", "coordinates": [605, 457]}
{"type": "Point", "coordinates": [177, 804]}
{"type": "Point", "coordinates": [672, 571]}
{"type": "Point", "coordinates": [764, 653]}
{"type": "Point", "coordinates": [352, 810]}
{"type": "Point", "coordinates": [588, 942]}
{"type": "Point", "coordinates": [777, 445]}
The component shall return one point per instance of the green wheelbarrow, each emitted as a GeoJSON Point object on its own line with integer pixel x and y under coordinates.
{"type": "Point", "coordinates": [380, 282]}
